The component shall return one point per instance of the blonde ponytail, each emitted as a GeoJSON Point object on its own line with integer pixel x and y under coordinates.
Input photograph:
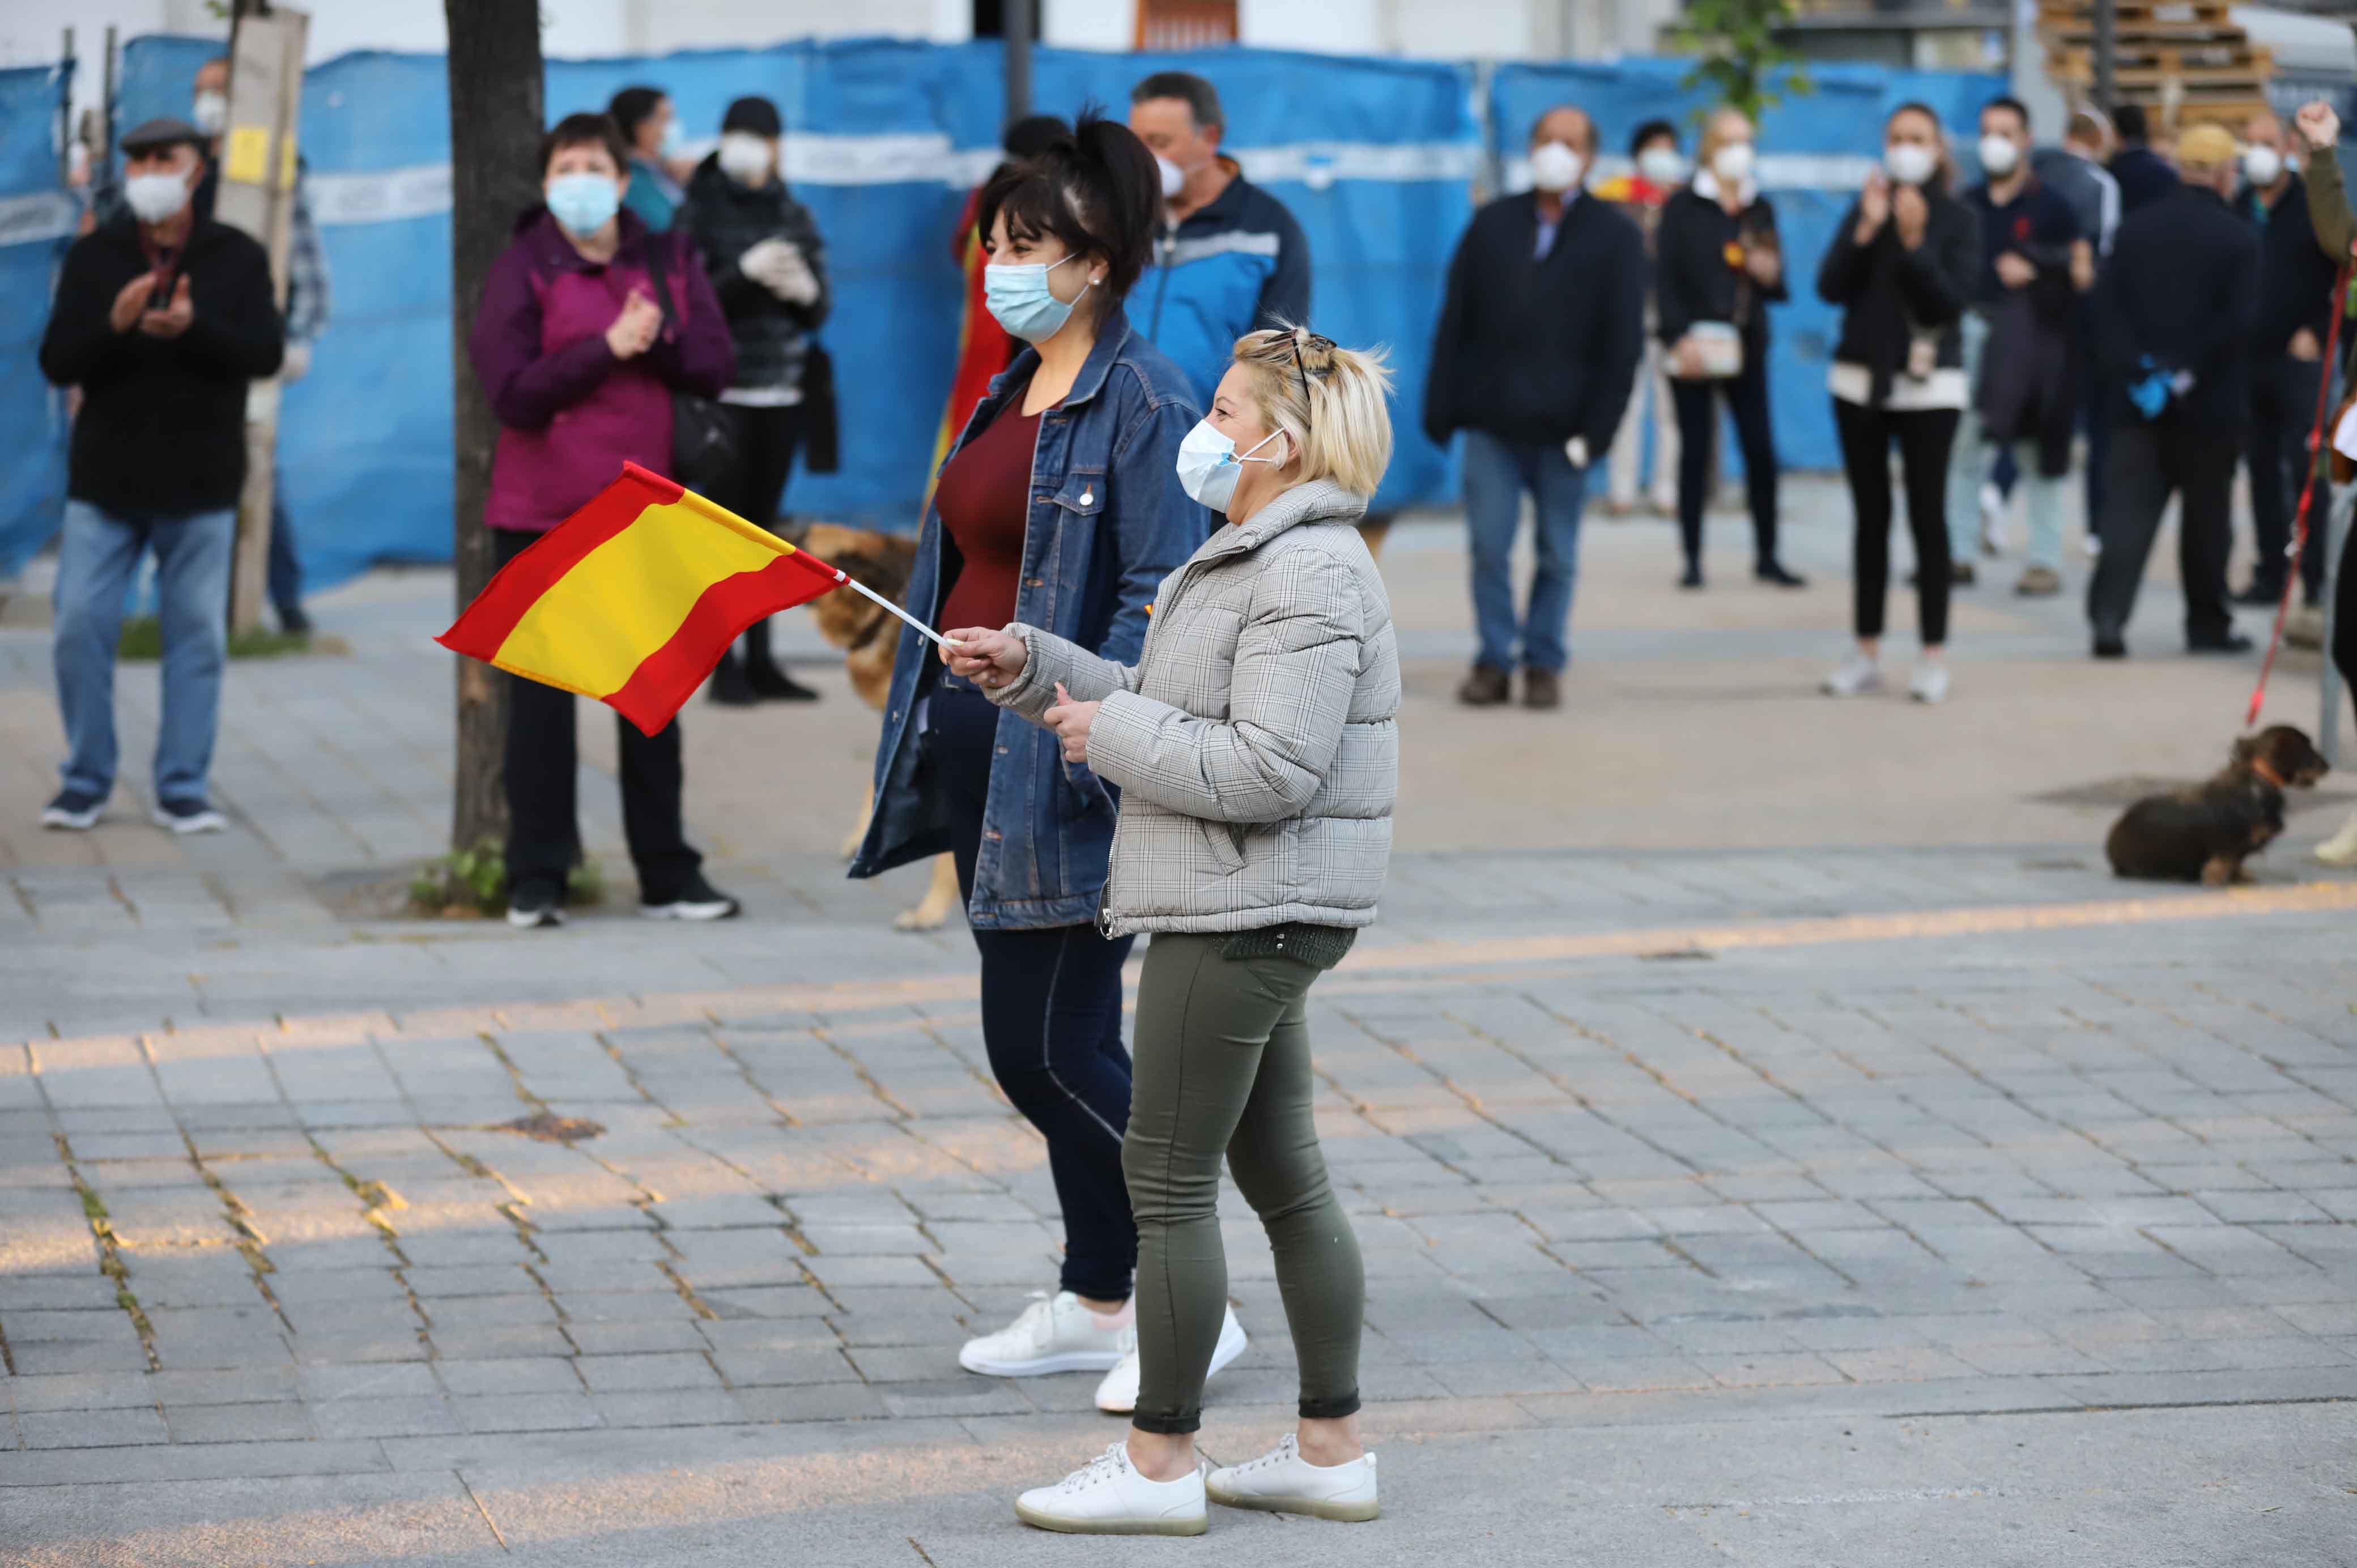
{"type": "Point", "coordinates": [1330, 402]}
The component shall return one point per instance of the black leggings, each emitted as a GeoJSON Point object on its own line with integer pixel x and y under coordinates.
{"type": "Point", "coordinates": [1746, 400]}
{"type": "Point", "coordinates": [2344, 607]}
{"type": "Point", "coordinates": [767, 439]}
{"type": "Point", "coordinates": [1925, 436]}
{"type": "Point", "coordinates": [1050, 1018]}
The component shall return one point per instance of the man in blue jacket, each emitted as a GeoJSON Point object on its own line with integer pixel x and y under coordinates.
{"type": "Point", "coordinates": [1230, 259]}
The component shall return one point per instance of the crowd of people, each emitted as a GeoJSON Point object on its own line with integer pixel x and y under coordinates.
{"type": "Point", "coordinates": [1148, 437]}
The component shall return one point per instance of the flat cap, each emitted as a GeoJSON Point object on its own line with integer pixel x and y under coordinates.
{"type": "Point", "coordinates": [162, 132]}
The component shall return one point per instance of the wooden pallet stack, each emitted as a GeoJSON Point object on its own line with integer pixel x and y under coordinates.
{"type": "Point", "coordinates": [2184, 61]}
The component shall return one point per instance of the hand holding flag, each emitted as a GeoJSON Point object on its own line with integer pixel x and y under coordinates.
{"type": "Point", "coordinates": [633, 599]}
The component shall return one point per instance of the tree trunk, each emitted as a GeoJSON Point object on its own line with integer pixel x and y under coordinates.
{"type": "Point", "coordinates": [495, 129]}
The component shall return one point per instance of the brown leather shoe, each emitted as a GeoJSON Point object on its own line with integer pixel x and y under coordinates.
{"type": "Point", "coordinates": [1485, 688]}
{"type": "Point", "coordinates": [1542, 689]}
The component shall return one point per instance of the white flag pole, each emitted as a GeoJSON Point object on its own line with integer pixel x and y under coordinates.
{"type": "Point", "coordinates": [862, 589]}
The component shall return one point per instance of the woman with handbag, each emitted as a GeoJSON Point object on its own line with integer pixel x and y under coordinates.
{"type": "Point", "coordinates": [1902, 268]}
{"type": "Point", "coordinates": [767, 266]}
{"type": "Point", "coordinates": [1720, 265]}
{"type": "Point", "coordinates": [580, 363]}
{"type": "Point", "coordinates": [1059, 506]}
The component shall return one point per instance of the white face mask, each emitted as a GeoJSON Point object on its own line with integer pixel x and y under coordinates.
{"type": "Point", "coordinates": [2262, 166]}
{"type": "Point", "coordinates": [1732, 163]}
{"type": "Point", "coordinates": [745, 158]}
{"type": "Point", "coordinates": [1999, 156]}
{"type": "Point", "coordinates": [1662, 165]}
{"type": "Point", "coordinates": [155, 197]}
{"type": "Point", "coordinates": [1210, 466]}
{"type": "Point", "coordinates": [1909, 162]}
{"type": "Point", "coordinates": [1174, 179]}
{"type": "Point", "coordinates": [1555, 168]}
{"type": "Point", "coordinates": [210, 113]}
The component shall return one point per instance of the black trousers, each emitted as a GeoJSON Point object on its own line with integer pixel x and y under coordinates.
{"type": "Point", "coordinates": [1050, 1018]}
{"type": "Point", "coordinates": [542, 766]}
{"type": "Point", "coordinates": [1746, 400]}
{"type": "Point", "coordinates": [1925, 436]}
{"type": "Point", "coordinates": [2283, 410]}
{"type": "Point", "coordinates": [2149, 462]}
{"type": "Point", "coordinates": [766, 440]}
{"type": "Point", "coordinates": [2345, 611]}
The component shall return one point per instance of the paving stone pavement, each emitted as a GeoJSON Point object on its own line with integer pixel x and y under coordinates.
{"type": "Point", "coordinates": [1835, 1204]}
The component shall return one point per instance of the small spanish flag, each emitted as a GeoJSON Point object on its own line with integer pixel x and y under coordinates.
{"type": "Point", "coordinates": [633, 598]}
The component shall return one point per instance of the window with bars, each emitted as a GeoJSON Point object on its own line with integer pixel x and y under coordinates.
{"type": "Point", "coordinates": [1185, 24]}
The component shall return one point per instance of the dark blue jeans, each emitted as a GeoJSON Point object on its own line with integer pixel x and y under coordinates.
{"type": "Point", "coordinates": [1050, 1018]}
{"type": "Point", "coordinates": [285, 570]}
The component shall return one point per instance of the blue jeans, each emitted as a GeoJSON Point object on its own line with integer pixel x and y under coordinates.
{"type": "Point", "coordinates": [96, 558]}
{"type": "Point", "coordinates": [1497, 473]}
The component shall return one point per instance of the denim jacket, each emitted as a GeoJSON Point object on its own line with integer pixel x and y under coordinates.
{"type": "Point", "coordinates": [1108, 523]}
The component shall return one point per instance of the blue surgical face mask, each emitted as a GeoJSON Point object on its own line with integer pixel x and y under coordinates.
{"type": "Point", "coordinates": [1210, 466]}
{"type": "Point", "coordinates": [583, 202]}
{"type": "Point", "coordinates": [1017, 293]}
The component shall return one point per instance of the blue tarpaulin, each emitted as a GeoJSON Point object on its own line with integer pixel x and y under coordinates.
{"type": "Point", "coordinates": [1378, 158]}
{"type": "Point", "coordinates": [35, 218]}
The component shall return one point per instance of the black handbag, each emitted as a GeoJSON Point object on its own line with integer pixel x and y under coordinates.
{"type": "Point", "coordinates": [822, 450]}
{"type": "Point", "coordinates": [704, 455]}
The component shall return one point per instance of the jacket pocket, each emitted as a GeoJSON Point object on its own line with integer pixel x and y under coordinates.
{"type": "Point", "coordinates": [1082, 496]}
{"type": "Point", "coordinates": [1223, 840]}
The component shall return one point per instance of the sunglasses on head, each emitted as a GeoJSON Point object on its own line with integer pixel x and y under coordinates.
{"type": "Point", "coordinates": [1324, 345]}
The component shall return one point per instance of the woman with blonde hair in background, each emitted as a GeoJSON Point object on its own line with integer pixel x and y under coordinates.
{"type": "Point", "coordinates": [1719, 265]}
{"type": "Point", "coordinates": [1255, 746]}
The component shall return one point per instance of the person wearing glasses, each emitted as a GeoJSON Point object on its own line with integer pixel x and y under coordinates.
{"type": "Point", "coordinates": [1255, 746]}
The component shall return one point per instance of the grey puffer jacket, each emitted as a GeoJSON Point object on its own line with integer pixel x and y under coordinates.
{"type": "Point", "coordinates": [1256, 740]}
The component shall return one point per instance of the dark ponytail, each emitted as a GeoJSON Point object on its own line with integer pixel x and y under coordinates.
{"type": "Point", "coordinates": [1093, 187]}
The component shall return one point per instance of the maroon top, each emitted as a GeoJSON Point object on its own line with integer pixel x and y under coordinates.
{"type": "Point", "coordinates": [985, 499]}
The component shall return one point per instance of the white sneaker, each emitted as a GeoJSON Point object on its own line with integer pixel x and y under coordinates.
{"type": "Point", "coordinates": [1992, 520]}
{"type": "Point", "coordinates": [1282, 1481]}
{"type": "Point", "coordinates": [1929, 684]}
{"type": "Point", "coordinates": [1056, 1334]}
{"type": "Point", "coordinates": [1858, 676]}
{"type": "Point", "coordinates": [1118, 1393]}
{"type": "Point", "coordinates": [2341, 849]}
{"type": "Point", "coordinates": [1108, 1496]}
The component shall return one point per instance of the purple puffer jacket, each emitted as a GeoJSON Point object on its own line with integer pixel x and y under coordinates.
{"type": "Point", "coordinates": [571, 413]}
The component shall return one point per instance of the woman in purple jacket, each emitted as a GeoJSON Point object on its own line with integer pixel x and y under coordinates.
{"type": "Point", "coordinates": [579, 362]}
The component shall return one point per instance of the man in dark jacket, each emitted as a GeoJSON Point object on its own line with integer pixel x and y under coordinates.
{"type": "Point", "coordinates": [1230, 259]}
{"type": "Point", "coordinates": [1535, 354]}
{"type": "Point", "coordinates": [2144, 175]}
{"type": "Point", "coordinates": [2020, 351]}
{"type": "Point", "coordinates": [2295, 289]}
{"type": "Point", "coordinates": [2173, 322]}
{"type": "Point", "coordinates": [162, 317]}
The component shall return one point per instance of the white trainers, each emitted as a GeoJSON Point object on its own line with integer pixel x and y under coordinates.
{"type": "Point", "coordinates": [1054, 1334]}
{"type": "Point", "coordinates": [1929, 684]}
{"type": "Point", "coordinates": [1857, 677]}
{"type": "Point", "coordinates": [1108, 1496]}
{"type": "Point", "coordinates": [1992, 520]}
{"type": "Point", "coordinates": [1118, 1393]}
{"type": "Point", "coordinates": [2341, 849]}
{"type": "Point", "coordinates": [1282, 1481]}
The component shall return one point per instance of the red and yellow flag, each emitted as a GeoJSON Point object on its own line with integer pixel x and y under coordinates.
{"type": "Point", "coordinates": [634, 598]}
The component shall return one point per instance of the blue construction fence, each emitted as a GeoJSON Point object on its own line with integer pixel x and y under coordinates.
{"type": "Point", "coordinates": [1379, 159]}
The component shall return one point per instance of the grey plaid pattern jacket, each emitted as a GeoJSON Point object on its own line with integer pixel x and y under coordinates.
{"type": "Point", "coordinates": [1256, 740]}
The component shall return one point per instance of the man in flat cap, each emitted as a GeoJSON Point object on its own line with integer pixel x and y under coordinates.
{"type": "Point", "coordinates": [2173, 319]}
{"type": "Point", "coordinates": [162, 317]}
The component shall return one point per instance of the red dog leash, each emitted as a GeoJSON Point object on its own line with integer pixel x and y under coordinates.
{"type": "Point", "coordinates": [2316, 461]}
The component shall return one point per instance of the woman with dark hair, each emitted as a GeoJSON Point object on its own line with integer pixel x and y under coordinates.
{"type": "Point", "coordinates": [1720, 265]}
{"type": "Point", "coordinates": [1901, 268]}
{"type": "Point", "coordinates": [651, 133]}
{"type": "Point", "coordinates": [1061, 507]}
{"type": "Point", "coordinates": [588, 325]}
{"type": "Point", "coordinates": [767, 266]}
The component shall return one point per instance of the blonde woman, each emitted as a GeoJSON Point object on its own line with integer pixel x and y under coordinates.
{"type": "Point", "coordinates": [1257, 753]}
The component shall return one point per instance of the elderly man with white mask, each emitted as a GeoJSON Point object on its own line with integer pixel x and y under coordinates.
{"type": "Point", "coordinates": [1535, 358]}
{"type": "Point", "coordinates": [768, 267]}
